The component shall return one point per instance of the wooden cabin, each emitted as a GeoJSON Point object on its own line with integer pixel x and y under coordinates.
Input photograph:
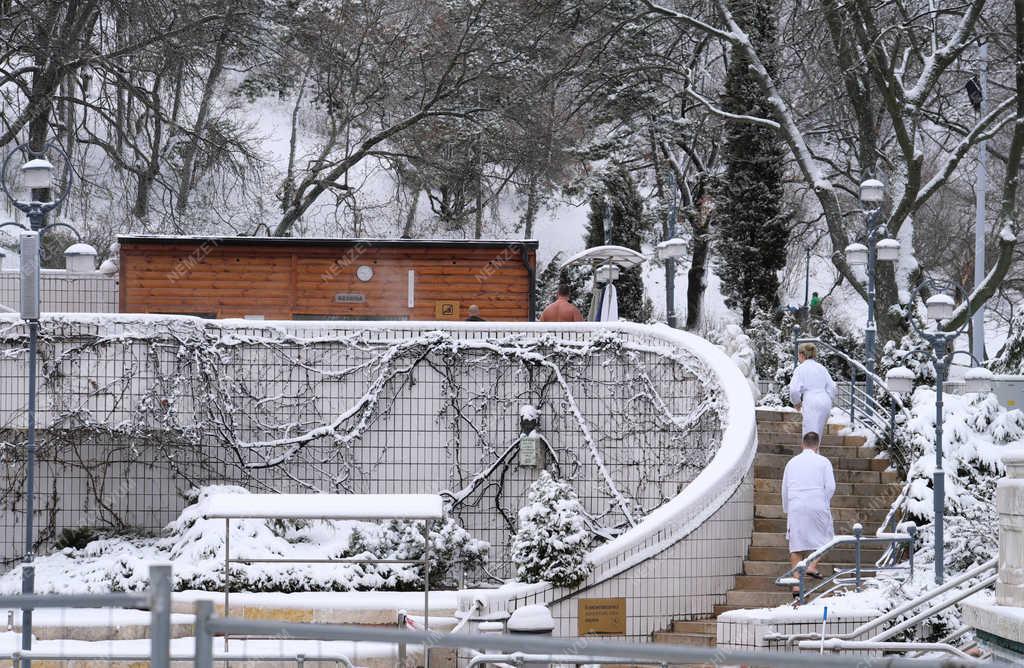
{"type": "Point", "coordinates": [327, 279]}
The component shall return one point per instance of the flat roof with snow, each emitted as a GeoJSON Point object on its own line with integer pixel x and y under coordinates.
{"type": "Point", "coordinates": [325, 506]}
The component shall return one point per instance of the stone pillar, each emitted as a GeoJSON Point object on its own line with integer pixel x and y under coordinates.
{"type": "Point", "coordinates": [1010, 504]}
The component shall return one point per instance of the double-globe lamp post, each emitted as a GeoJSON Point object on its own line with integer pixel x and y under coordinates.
{"type": "Point", "coordinates": [37, 179]}
{"type": "Point", "coordinates": [872, 194]}
{"type": "Point", "coordinates": [940, 308]}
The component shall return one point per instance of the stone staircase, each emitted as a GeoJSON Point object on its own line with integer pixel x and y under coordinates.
{"type": "Point", "coordinates": [865, 489]}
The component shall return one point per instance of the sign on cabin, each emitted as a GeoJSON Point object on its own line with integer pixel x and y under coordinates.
{"type": "Point", "coordinates": [446, 310]}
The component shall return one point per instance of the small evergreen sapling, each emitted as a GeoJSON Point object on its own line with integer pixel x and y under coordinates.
{"type": "Point", "coordinates": [552, 542]}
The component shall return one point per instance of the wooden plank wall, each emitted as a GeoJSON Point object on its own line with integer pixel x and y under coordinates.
{"type": "Point", "coordinates": [282, 282]}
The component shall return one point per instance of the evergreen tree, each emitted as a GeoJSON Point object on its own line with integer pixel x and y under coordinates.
{"type": "Point", "coordinates": [628, 229]}
{"type": "Point", "coordinates": [752, 232]}
{"type": "Point", "coordinates": [553, 275]}
{"type": "Point", "coordinates": [552, 542]}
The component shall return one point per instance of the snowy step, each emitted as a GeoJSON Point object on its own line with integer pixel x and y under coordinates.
{"type": "Point", "coordinates": [769, 437]}
{"type": "Point", "coordinates": [757, 582]}
{"type": "Point", "coordinates": [758, 599]}
{"type": "Point", "coordinates": [866, 501]}
{"type": "Point", "coordinates": [777, 415]}
{"type": "Point", "coordinates": [692, 639]}
{"type": "Point", "coordinates": [838, 555]}
{"type": "Point", "coordinates": [705, 626]}
{"type": "Point", "coordinates": [890, 490]}
{"type": "Point", "coordinates": [795, 427]}
{"type": "Point", "coordinates": [778, 525]}
{"type": "Point", "coordinates": [838, 463]}
{"type": "Point", "coordinates": [830, 451]}
{"type": "Point", "coordinates": [773, 472]}
{"type": "Point", "coordinates": [774, 569]}
{"type": "Point", "coordinates": [765, 539]}
{"type": "Point", "coordinates": [867, 517]}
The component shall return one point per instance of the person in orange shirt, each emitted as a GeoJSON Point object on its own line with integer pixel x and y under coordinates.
{"type": "Point", "coordinates": [561, 310]}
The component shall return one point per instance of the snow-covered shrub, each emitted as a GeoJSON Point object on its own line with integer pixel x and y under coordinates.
{"type": "Point", "coordinates": [195, 545]}
{"type": "Point", "coordinates": [450, 546]}
{"type": "Point", "coordinates": [974, 433]}
{"type": "Point", "coordinates": [912, 352]}
{"type": "Point", "coordinates": [552, 541]}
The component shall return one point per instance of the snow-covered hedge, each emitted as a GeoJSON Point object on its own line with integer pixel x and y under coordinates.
{"type": "Point", "coordinates": [196, 548]}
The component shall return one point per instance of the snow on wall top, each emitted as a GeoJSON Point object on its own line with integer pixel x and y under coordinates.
{"type": "Point", "coordinates": [325, 506]}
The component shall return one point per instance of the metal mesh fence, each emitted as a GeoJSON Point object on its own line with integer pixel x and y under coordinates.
{"type": "Point", "coordinates": [135, 412]}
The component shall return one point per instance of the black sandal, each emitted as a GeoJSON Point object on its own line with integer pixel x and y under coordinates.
{"type": "Point", "coordinates": [816, 575]}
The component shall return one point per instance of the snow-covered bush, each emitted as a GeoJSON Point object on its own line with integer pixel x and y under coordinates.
{"type": "Point", "coordinates": [195, 545]}
{"type": "Point", "coordinates": [450, 546]}
{"type": "Point", "coordinates": [975, 430]}
{"type": "Point", "coordinates": [552, 541]}
{"type": "Point", "coordinates": [912, 352]}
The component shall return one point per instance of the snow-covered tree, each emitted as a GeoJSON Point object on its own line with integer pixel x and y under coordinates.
{"type": "Point", "coordinates": [552, 541]}
{"type": "Point", "coordinates": [752, 230]}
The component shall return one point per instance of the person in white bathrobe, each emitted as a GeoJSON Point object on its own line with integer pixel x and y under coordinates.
{"type": "Point", "coordinates": [812, 390]}
{"type": "Point", "coordinates": [807, 488]}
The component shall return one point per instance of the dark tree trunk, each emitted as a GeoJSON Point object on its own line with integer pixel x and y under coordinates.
{"type": "Point", "coordinates": [696, 276]}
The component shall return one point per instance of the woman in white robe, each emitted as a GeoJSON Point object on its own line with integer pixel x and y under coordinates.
{"type": "Point", "coordinates": [808, 484]}
{"type": "Point", "coordinates": [812, 390]}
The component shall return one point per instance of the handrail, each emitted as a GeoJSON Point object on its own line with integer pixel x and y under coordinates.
{"type": "Point", "coordinates": [977, 571]}
{"type": "Point", "coordinates": [857, 540]}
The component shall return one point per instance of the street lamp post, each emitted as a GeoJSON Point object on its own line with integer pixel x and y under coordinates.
{"type": "Point", "coordinates": [940, 308]}
{"type": "Point", "coordinates": [872, 193]}
{"type": "Point", "coordinates": [670, 262]}
{"type": "Point", "coordinates": [37, 177]}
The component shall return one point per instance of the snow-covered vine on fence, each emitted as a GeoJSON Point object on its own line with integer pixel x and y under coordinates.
{"type": "Point", "coordinates": [134, 415]}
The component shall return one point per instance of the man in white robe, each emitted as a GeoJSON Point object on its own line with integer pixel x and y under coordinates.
{"type": "Point", "coordinates": [807, 488]}
{"type": "Point", "coordinates": [812, 390]}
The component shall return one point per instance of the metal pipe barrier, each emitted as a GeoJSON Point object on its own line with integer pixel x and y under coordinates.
{"type": "Point", "coordinates": [211, 626]}
{"type": "Point", "coordinates": [858, 571]}
{"type": "Point", "coordinates": [987, 571]}
{"type": "Point", "coordinates": [157, 599]}
{"type": "Point", "coordinates": [835, 645]}
{"type": "Point", "coordinates": [33, 655]}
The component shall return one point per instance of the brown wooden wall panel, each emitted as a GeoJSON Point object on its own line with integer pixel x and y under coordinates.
{"type": "Point", "coordinates": [282, 279]}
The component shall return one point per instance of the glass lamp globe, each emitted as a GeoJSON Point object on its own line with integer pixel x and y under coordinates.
{"type": "Point", "coordinates": [940, 307]}
{"type": "Point", "coordinates": [872, 191]}
{"type": "Point", "coordinates": [857, 255]}
{"type": "Point", "coordinates": [37, 173]}
{"type": "Point", "coordinates": [888, 250]}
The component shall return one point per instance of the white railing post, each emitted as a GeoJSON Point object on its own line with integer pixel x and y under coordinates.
{"type": "Point", "coordinates": [1010, 504]}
